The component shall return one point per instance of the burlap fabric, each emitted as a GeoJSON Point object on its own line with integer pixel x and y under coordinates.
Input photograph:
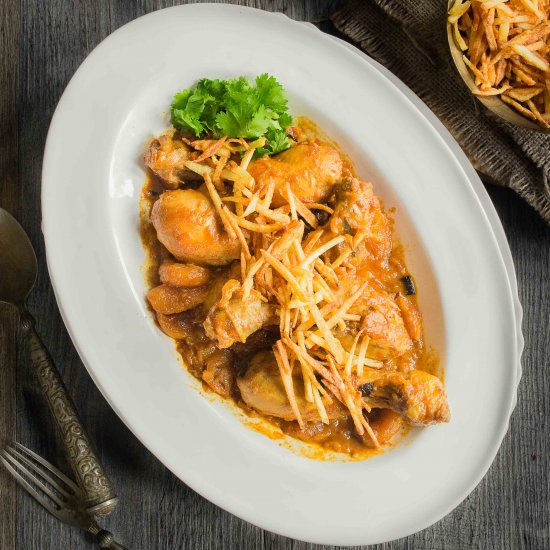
{"type": "Point", "coordinates": [409, 37]}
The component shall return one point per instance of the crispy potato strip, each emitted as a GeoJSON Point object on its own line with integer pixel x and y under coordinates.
{"type": "Point", "coordinates": [506, 47]}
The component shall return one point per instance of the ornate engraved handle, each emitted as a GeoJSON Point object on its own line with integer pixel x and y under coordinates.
{"type": "Point", "coordinates": [105, 539]}
{"type": "Point", "coordinates": [100, 496]}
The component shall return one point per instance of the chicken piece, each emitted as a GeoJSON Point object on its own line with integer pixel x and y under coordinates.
{"type": "Point", "coordinates": [165, 157]}
{"type": "Point", "coordinates": [417, 395]}
{"type": "Point", "coordinates": [167, 300]}
{"type": "Point", "coordinates": [358, 209]}
{"type": "Point", "coordinates": [188, 225]}
{"type": "Point", "coordinates": [262, 389]}
{"type": "Point", "coordinates": [311, 170]}
{"type": "Point", "coordinates": [217, 283]}
{"type": "Point", "coordinates": [233, 318]}
{"type": "Point", "coordinates": [383, 322]}
{"type": "Point", "coordinates": [219, 373]}
{"type": "Point", "coordinates": [188, 275]}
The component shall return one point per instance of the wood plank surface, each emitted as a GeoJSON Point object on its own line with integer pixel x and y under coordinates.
{"type": "Point", "coordinates": [9, 200]}
{"type": "Point", "coordinates": [42, 44]}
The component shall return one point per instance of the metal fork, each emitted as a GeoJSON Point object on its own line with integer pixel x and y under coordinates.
{"type": "Point", "coordinates": [56, 492]}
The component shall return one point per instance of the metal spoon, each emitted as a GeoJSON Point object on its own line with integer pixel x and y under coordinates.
{"type": "Point", "coordinates": [18, 269]}
{"type": "Point", "coordinates": [493, 103]}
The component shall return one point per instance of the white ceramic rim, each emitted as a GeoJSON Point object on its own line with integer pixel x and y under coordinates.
{"type": "Point", "coordinates": [56, 266]}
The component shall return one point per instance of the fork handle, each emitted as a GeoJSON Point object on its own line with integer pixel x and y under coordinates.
{"type": "Point", "coordinates": [100, 496]}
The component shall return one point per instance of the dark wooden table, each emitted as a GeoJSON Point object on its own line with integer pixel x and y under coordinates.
{"type": "Point", "coordinates": [42, 44]}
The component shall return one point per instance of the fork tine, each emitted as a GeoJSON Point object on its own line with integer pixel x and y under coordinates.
{"type": "Point", "coordinates": [28, 487]}
{"type": "Point", "coordinates": [34, 476]}
{"type": "Point", "coordinates": [49, 479]}
{"type": "Point", "coordinates": [67, 480]}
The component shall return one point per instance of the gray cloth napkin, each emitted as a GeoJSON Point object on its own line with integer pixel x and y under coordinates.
{"type": "Point", "coordinates": [409, 37]}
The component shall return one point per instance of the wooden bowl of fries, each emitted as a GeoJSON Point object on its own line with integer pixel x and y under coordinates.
{"type": "Point", "coordinates": [501, 49]}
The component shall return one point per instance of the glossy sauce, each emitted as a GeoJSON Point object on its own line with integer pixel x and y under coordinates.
{"type": "Point", "coordinates": [195, 348]}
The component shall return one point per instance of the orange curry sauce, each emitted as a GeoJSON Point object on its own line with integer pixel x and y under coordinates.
{"type": "Point", "coordinates": [209, 364]}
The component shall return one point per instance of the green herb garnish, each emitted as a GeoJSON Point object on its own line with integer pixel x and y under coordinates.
{"type": "Point", "coordinates": [236, 108]}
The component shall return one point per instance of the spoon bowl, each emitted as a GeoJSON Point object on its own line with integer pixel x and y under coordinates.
{"type": "Point", "coordinates": [18, 265]}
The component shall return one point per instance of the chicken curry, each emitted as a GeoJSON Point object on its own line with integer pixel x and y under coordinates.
{"type": "Point", "coordinates": [282, 285]}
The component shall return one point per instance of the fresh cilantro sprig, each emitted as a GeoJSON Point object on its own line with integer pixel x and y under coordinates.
{"type": "Point", "coordinates": [236, 108]}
